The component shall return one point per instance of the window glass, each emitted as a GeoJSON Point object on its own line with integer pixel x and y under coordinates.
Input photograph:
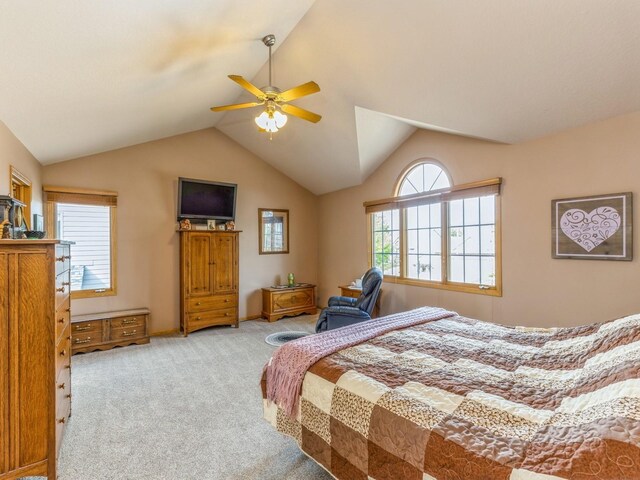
{"type": "Point", "coordinates": [386, 241]}
{"type": "Point", "coordinates": [89, 226]}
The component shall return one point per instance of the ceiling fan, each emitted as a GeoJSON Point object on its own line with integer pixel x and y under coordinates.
{"type": "Point", "coordinates": [274, 100]}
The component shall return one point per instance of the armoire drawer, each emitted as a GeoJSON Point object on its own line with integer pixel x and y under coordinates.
{"type": "Point", "coordinates": [225, 316]}
{"type": "Point", "coordinates": [201, 304]}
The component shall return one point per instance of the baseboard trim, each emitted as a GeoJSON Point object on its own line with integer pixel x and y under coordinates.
{"type": "Point", "coordinates": [166, 333]}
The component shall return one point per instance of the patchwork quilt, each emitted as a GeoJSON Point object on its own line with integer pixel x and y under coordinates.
{"type": "Point", "coordinates": [463, 399]}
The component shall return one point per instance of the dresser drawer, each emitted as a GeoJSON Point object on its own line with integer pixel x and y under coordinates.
{"type": "Point", "coordinates": [63, 410]}
{"type": "Point", "coordinates": [224, 316]}
{"type": "Point", "coordinates": [86, 339]}
{"type": "Point", "coordinates": [201, 304]}
{"type": "Point", "coordinates": [62, 318]}
{"type": "Point", "coordinates": [63, 259]}
{"type": "Point", "coordinates": [295, 299]}
{"type": "Point", "coordinates": [63, 352]}
{"type": "Point", "coordinates": [94, 326]}
{"type": "Point", "coordinates": [137, 321]}
{"type": "Point", "coordinates": [63, 286]}
{"type": "Point", "coordinates": [63, 392]}
{"type": "Point", "coordinates": [126, 333]}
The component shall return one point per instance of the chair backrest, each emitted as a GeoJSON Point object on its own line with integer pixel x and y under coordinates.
{"type": "Point", "coordinates": [371, 282]}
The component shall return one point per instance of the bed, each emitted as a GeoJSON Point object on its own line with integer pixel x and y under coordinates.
{"type": "Point", "coordinates": [429, 394]}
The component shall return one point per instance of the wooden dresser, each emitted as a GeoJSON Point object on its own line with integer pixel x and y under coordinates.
{"type": "Point", "coordinates": [35, 365]}
{"type": "Point", "coordinates": [102, 331]}
{"type": "Point", "coordinates": [208, 279]}
{"type": "Point", "coordinates": [283, 302]}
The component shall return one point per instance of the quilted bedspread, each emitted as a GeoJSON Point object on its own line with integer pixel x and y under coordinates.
{"type": "Point", "coordinates": [463, 399]}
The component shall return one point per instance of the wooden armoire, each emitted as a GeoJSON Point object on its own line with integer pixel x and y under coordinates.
{"type": "Point", "coordinates": [208, 279]}
{"type": "Point", "coordinates": [35, 350]}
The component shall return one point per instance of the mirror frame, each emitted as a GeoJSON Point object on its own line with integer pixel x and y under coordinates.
{"type": "Point", "coordinates": [285, 214]}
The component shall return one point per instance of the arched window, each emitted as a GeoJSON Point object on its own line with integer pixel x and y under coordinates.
{"type": "Point", "coordinates": [446, 239]}
{"type": "Point", "coordinates": [423, 177]}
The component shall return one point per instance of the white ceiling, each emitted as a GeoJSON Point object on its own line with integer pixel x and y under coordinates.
{"type": "Point", "coordinates": [83, 77]}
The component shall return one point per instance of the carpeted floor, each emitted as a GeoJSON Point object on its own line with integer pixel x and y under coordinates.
{"type": "Point", "coordinates": [180, 409]}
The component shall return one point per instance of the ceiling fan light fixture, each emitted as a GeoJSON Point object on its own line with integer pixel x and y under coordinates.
{"type": "Point", "coordinates": [271, 121]}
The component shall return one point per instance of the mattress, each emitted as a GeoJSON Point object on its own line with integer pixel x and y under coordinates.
{"type": "Point", "coordinates": [458, 398]}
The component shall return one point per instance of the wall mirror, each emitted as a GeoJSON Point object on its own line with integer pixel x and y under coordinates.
{"type": "Point", "coordinates": [273, 231]}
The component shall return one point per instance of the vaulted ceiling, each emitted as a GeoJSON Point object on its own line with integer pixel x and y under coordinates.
{"type": "Point", "coordinates": [83, 77]}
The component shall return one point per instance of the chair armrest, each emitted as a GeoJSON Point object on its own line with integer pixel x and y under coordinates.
{"type": "Point", "coordinates": [342, 301]}
{"type": "Point", "coordinates": [337, 317]}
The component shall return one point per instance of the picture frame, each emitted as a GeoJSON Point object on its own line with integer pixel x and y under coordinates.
{"type": "Point", "coordinates": [38, 222]}
{"type": "Point", "coordinates": [211, 224]}
{"type": "Point", "coordinates": [596, 227]}
{"type": "Point", "coordinates": [273, 231]}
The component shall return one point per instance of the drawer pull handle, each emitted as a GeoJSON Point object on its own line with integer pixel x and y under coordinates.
{"type": "Point", "coordinates": [68, 396]}
{"type": "Point", "coordinates": [198, 318]}
{"type": "Point", "coordinates": [61, 289]}
{"type": "Point", "coordinates": [68, 367]}
{"type": "Point", "coordinates": [83, 329]}
{"type": "Point", "coordinates": [61, 386]}
{"type": "Point", "coordinates": [87, 340]}
{"type": "Point", "coordinates": [61, 420]}
{"type": "Point", "coordinates": [128, 334]}
{"type": "Point", "coordinates": [63, 353]}
{"type": "Point", "coordinates": [129, 321]}
{"type": "Point", "coordinates": [60, 259]}
{"type": "Point", "coordinates": [68, 310]}
{"type": "Point", "coordinates": [226, 300]}
{"type": "Point", "coordinates": [227, 314]}
{"type": "Point", "coordinates": [66, 284]}
{"type": "Point", "coordinates": [61, 320]}
{"type": "Point", "coordinates": [198, 303]}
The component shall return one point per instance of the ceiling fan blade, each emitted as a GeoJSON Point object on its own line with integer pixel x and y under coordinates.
{"type": "Point", "coordinates": [300, 112]}
{"type": "Point", "coordinates": [247, 85]}
{"type": "Point", "coordinates": [299, 91]}
{"type": "Point", "coordinates": [236, 106]}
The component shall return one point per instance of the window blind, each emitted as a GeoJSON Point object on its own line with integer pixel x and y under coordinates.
{"type": "Point", "coordinates": [456, 192]}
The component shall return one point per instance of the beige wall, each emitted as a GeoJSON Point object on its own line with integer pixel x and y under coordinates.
{"type": "Point", "coordinates": [13, 152]}
{"type": "Point", "coordinates": [598, 158]}
{"type": "Point", "coordinates": [145, 177]}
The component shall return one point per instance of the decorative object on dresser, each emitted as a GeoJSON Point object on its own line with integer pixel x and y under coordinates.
{"type": "Point", "coordinates": [103, 331]}
{"type": "Point", "coordinates": [208, 279]}
{"type": "Point", "coordinates": [278, 302]}
{"type": "Point", "coordinates": [35, 365]}
{"type": "Point", "coordinates": [598, 227]}
{"type": "Point", "coordinates": [352, 291]}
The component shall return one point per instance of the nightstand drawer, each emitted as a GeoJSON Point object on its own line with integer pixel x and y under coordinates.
{"type": "Point", "coordinates": [94, 326]}
{"type": "Point", "coordinates": [126, 333]}
{"type": "Point", "coordinates": [295, 299]}
{"type": "Point", "coordinates": [136, 321]}
{"type": "Point", "coordinates": [87, 339]}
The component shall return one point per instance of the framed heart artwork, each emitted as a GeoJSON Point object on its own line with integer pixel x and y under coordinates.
{"type": "Point", "coordinates": [593, 228]}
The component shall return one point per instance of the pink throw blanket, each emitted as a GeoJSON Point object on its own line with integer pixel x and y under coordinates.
{"type": "Point", "coordinates": [289, 364]}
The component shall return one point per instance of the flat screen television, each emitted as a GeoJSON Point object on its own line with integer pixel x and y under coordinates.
{"type": "Point", "coordinates": [204, 199]}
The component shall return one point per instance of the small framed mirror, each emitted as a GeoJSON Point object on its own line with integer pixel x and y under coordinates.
{"type": "Point", "coordinates": [273, 231]}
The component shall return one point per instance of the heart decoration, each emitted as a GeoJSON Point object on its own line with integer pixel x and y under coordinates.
{"type": "Point", "coordinates": [590, 229]}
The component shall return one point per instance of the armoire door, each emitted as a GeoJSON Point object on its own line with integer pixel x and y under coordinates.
{"type": "Point", "coordinates": [200, 281]}
{"type": "Point", "coordinates": [4, 363]}
{"type": "Point", "coordinates": [224, 260]}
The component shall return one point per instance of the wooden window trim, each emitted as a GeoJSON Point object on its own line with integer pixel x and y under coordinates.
{"type": "Point", "coordinates": [445, 284]}
{"type": "Point", "coordinates": [20, 179]}
{"type": "Point", "coordinates": [82, 196]}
